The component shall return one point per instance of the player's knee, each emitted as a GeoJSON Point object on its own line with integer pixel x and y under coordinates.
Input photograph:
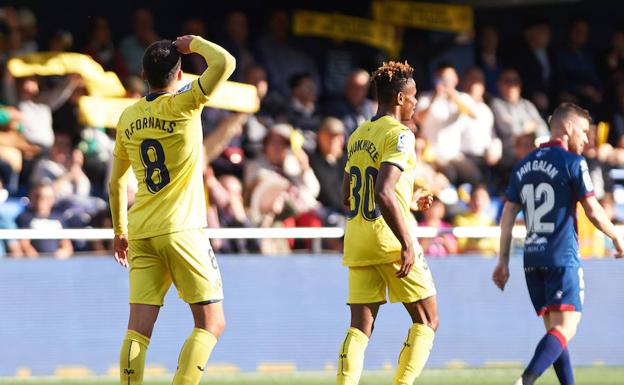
{"type": "Point", "coordinates": [567, 331]}
{"type": "Point", "coordinates": [367, 329]}
{"type": "Point", "coordinates": [215, 325]}
{"type": "Point", "coordinates": [218, 327]}
{"type": "Point", "coordinates": [434, 322]}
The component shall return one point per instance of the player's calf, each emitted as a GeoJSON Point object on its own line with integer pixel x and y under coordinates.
{"type": "Point", "coordinates": [419, 340]}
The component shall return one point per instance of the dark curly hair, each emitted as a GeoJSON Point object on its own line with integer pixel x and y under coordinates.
{"type": "Point", "coordinates": [390, 79]}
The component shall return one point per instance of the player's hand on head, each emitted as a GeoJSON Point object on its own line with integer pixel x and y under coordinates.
{"type": "Point", "coordinates": [501, 275]}
{"type": "Point", "coordinates": [407, 261]}
{"type": "Point", "coordinates": [120, 249]}
{"type": "Point", "coordinates": [183, 44]}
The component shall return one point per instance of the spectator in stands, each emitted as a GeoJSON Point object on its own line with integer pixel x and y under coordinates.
{"type": "Point", "coordinates": [60, 41]}
{"type": "Point", "coordinates": [280, 184]}
{"type": "Point", "coordinates": [256, 127]}
{"type": "Point", "coordinates": [100, 47]}
{"type": "Point", "coordinates": [536, 62]}
{"type": "Point", "coordinates": [132, 47]}
{"type": "Point", "coordinates": [302, 112]}
{"type": "Point", "coordinates": [598, 163]}
{"type": "Point", "coordinates": [236, 42]}
{"type": "Point", "coordinates": [102, 220]}
{"type": "Point", "coordinates": [523, 145]}
{"type": "Point", "coordinates": [616, 128]}
{"type": "Point", "coordinates": [478, 141]}
{"type": "Point", "coordinates": [477, 216]}
{"type": "Point", "coordinates": [226, 196]}
{"type": "Point", "coordinates": [488, 57]}
{"type": "Point", "coordinates": [63, 170]}
{"type": "Point", "coordinates": [135, 87]}
{"type": "Point", "coordinates": [579, 79]}
{"type": "Point", "coordinates": [18, 30]}
{"type": "Point", "coordinates": [328, 163]}
{"type": "Point", "coordinates": [37, 108]}
{"type": "Point", "coordinates": [513, 116]}
{"type": "Point", "coordinates": [426, 175]}
{"type": "Point", "coordinates": [610, 67]}
{"type": "Point", "coordinates": [13, 147]}
{"type": "Point", "coordinates": [223, 145]}
{"type": "Point", "coordinates": [443, 114]}
{"type": "Point", "coordinates": [281, 58]}
{"type": "Point", "coordinates": [27, 24]}
{"type": "Point", "coordinates": [13, 247]}
{"type": "Point", "coordinates": [444, 243]}
{"type": "Point", "coordinates": [40, 216]}
{"type": "Point", "coordinates": [354, 108]}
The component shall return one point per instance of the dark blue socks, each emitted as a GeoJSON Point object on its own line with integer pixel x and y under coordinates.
{"type": "Point", "coordinates": [547, 352]}
{"type": "Point", "coordinates": [563, 368]}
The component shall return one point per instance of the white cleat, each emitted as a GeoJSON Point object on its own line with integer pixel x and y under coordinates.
{"type": "Point", "coordinates": [518, 381]}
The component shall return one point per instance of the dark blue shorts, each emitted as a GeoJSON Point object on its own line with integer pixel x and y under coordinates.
{"type": "Point", "coordinates": [555, 288]}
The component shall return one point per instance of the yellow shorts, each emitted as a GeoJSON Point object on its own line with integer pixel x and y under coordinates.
{"type": "Point", "coordinates": [183, 258]}
{"type": "Point", "coordinates": [368, 284]}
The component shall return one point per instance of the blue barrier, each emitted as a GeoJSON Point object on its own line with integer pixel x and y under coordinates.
{"type": "Point", "coordinates": [74, 312]}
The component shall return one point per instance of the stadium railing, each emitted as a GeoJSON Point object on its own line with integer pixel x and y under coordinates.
{"type": "Point", "coordinates": [258, 233]}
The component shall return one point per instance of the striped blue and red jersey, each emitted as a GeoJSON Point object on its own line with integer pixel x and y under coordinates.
{"type": "Point", "coordinates": [548, 183]}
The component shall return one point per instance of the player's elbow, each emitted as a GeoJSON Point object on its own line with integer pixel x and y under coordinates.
{"type": "Point", "coordinates": [225, 64]}
{"type": "Point", "coordinates": [112, 189]}
{"type": "Point", "coordinates": [383, 197]}
{"type": "Point", "coordinates": [229, 63]}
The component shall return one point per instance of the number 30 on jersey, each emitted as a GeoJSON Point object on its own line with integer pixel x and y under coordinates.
{"type": "Point", "coordinates": [363, 193]}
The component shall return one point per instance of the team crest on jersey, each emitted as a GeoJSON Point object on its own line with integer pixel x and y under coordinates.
{"type": "Point", "coordinates": [185, 88]}
{"type": "Point", "coordinates": [403, 142]}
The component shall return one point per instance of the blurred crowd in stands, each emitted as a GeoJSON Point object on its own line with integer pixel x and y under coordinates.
{"type": "Point", "coordinates": [283, 166]}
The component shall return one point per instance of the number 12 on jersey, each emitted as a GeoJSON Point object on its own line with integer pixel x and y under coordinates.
{"type": "Point", "coordinates": [531, 196]}
{"type": "Point", "coordinates": [363, 193]}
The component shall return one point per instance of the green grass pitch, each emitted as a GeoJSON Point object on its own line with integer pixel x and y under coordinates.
{"type": "Point", "coordinates": [584, 376]}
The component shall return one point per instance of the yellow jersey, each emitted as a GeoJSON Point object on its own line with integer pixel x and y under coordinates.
{"type": "Point", "coordinates": [368, 238]}
{"type": "Point", "coordinates": [161, 136]}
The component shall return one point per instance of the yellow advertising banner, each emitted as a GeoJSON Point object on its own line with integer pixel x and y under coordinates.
{"type": "Point", "coordinates": [97, 111]}
{"type": "Point", "coordinates": [97, 81]}
{"type": "Point", "coordinates": [348, 28]}
{"type": "Point", "coordinates": [435, 16]}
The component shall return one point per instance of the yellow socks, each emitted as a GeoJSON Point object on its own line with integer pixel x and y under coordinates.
{"type": "Point", "coordinates": [132, 358]}
{"type": "Point", "coordinates": [193, 357]}
{"type": "Point", "coordinates": [351, 359]}
{"type": "Point", "coordinates": [414, 355]}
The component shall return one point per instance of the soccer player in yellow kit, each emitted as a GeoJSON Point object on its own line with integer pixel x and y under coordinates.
{"type": "Point", "coordinates": [380, 249]}
{"type": "Point", "coordinates": [162, 239]}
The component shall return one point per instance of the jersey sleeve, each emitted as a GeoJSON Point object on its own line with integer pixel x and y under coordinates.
{"type": "Point", "coordinates": [512, 194]}
{"type": "Point", "coordinates": [120, 151]}
{"type": "Point", "coordinates": [581, 180]}
{"type": "Point", "coordinates": [220, 66]}
{"type": "Point", "coordinates": [398, 147]}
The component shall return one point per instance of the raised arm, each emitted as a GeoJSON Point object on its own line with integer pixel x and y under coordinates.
{"type": "Point", "coordinates": [596, 215]}
{"type": "Point", "coordinates": [501, 272]}
{"type": "Point", "coordinates": [220, 66]}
